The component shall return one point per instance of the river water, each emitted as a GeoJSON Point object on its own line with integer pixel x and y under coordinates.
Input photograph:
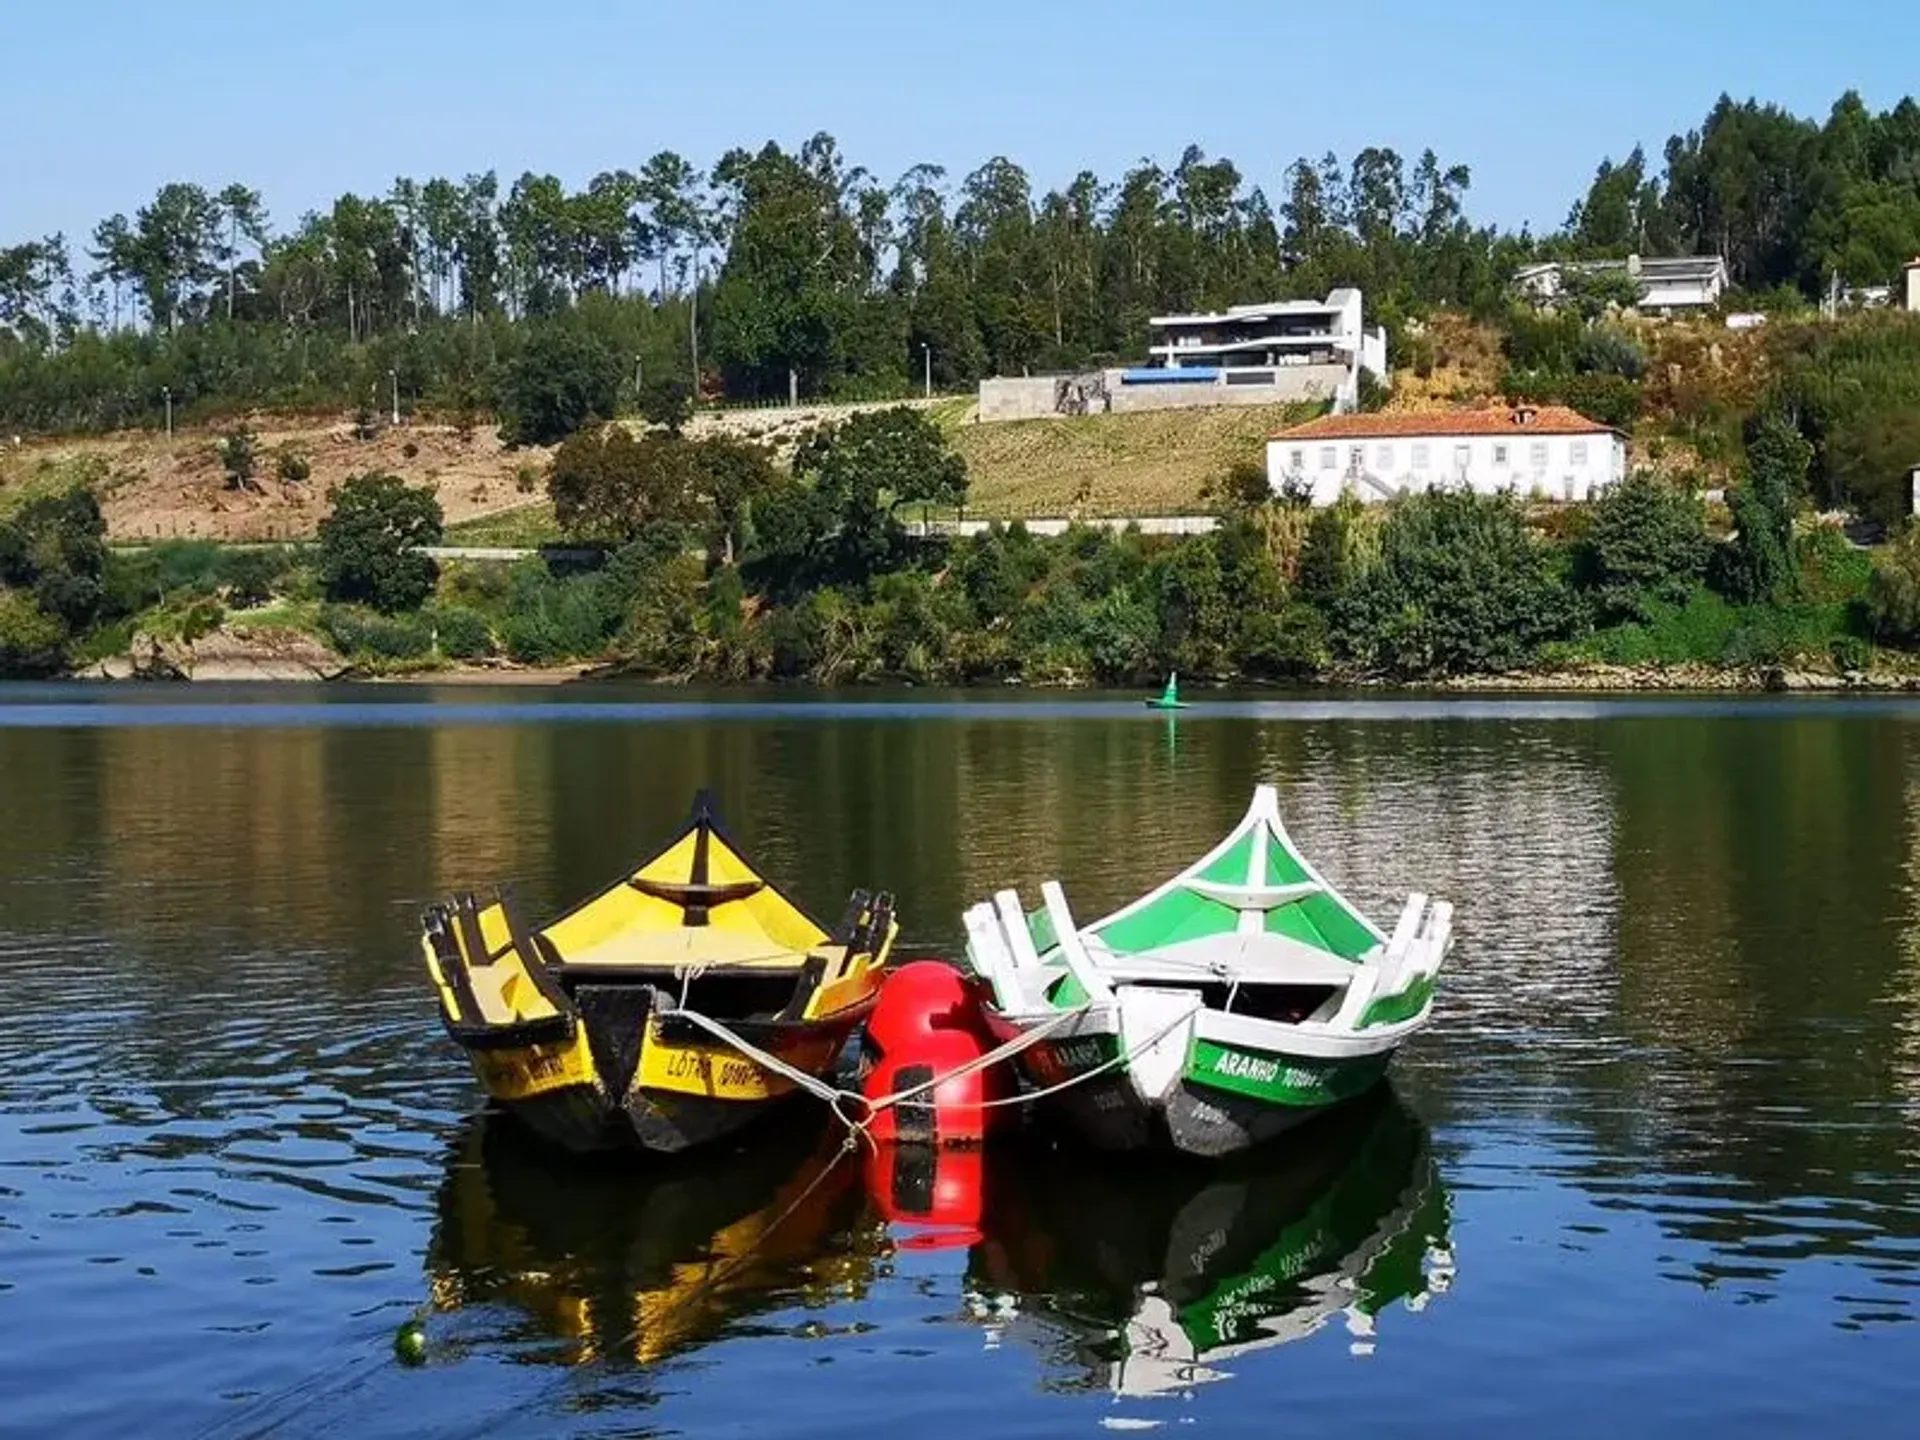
{"type": "Point", "coordinates": [1652, 1171]}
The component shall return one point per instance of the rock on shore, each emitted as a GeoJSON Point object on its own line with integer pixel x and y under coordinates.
{"type": "Point", "coordinates": [236, 652]}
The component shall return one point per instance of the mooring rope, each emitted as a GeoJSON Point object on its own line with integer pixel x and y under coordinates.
{"type": "Point", "coordinates": [857, 1112]}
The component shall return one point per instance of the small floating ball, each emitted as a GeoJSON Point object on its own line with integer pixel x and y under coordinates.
{"type": "Point", "coordinates": [410, 1344]}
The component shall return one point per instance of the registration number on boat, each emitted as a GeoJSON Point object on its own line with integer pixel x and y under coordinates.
{"type": "Point", "coordinates": [727, 1074]}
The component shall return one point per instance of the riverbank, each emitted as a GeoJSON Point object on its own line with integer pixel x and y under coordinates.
{"type": "Point", "coordinates": [227, 658]}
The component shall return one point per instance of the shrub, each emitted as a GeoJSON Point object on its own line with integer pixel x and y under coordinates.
{"type": "Point", "coordinates": [250, 575]}
{"type": "Point", "coordinates": [410, 451]}
{"type": "Point", "coordinates": [237, 458]}
{"type": "Point", "coordinates": [32, 642]}
{"type": "Point", "coordinates": [293, 466]}
{"type": "Point", "coordinates": [461, 634]}
{"type": "Point", "coordinates": [368, 634]}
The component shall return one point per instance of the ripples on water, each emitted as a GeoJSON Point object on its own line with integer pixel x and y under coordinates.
{"type": "Point", "coordinates": [1654, 1166]}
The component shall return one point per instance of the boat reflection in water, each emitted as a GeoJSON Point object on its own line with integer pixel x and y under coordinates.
{"type": "Point", "coordinates": [622, 1264]}
{"type": "Point", "coordinates": [1151, 1278]}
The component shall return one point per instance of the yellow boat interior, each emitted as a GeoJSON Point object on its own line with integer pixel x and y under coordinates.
{"type": "Point", "coordinates": [695, 928]}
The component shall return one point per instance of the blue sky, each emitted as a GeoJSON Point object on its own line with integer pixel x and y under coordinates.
{"type": "Point", "coordinates": [103, 102]}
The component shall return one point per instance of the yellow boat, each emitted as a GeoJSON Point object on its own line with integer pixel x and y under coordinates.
{"type": "Point", "coordinates": [582, 1028]}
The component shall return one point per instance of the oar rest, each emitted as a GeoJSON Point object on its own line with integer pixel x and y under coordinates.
{"type": "Point", "coordinates": [1253, 897]}
{"type": "Point", "coordinates": [866, 923]}
{"type": "Point", "coordinates": [696, 898]}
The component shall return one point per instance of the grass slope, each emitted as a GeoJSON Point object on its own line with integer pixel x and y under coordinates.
{"type": "Point", "coordinates": [1154, 463]}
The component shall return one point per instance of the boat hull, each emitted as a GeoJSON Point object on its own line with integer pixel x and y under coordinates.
{"type": "Point", "coordinates": [683, 1095]}
{"type": "Point", "coordinates": [1224, 1100]}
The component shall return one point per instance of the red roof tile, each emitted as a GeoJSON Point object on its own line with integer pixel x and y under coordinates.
{"type": "Point", "coordinates": [1487, 420]}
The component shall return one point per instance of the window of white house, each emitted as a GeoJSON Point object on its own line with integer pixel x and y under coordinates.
{"type": "Point", "coordinates": [1462, 456]}
{"type": "Point", "coordinates": [1499, 454]}
{"type": "Point", "coordinates": [1329, 457]}
{"type": "Point", "coordinates": [1383, 457]}
{"type": "Point", "coordinates": [1577, 453]}
{"type": "Point", "coordinates": [1298, 460]}
{"type": "Point", "coordinates": [1537, 455]}
{"type": "Point", "coordinates": [1419, 457]}
{"type": "Point", "coordinates": [1356, 457]}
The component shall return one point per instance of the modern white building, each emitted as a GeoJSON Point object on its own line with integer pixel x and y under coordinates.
{"type": "Point", "coordinates": [1284, 351]}
{"type": "Point", "coordinates": [1535, 451]}
{"type": "Point", "coordinates": [1910, 284]}
{"type": "Point", "coordinates": [1267, 337]}
{"type": "Point", "coordinates": [1685, 282]}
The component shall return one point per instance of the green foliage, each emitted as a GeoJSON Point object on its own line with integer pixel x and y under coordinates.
{"type": "Point", "coordinates": [53, 549]}
{"type": "Point", "coordinates": [667, 404]}
{"type": "Point", "coordinates": [460, 633]}
{"type": "Point", "coordinates": [608, 486]}
{"type": "Point", "coordinates": [1646, 545]}
{"type": "Point", "coordinates": [251, 575]}
{"type": "Point", "coordinates": [1460, 588]}
{"type": "Point", "coordinates": [370, 544]}
{"type": "Point", "coordinates": [564, 378]}
{"type": "Point", "coordinates": [292, 465]}
{"type": "Point", "coordinates": [1758, 566]}
{"type": "Point", "coordinates": [237, 458]}
{"type": "Point", "coordinates": [32, 642]}
{"type": "Point", "coordinates": [368, 635]}
{"type": "Point", "coordinates": [1893, 592]}
{"type": "Point", "coordinates": [1333, 555]}
{"type": "Point", "coordinates": [1243, 486]}
{"type": "Point", "coordinates": [1855, 389]}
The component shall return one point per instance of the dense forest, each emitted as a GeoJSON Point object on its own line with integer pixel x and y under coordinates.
{"type": "Point", "coordinates": [785, 266]}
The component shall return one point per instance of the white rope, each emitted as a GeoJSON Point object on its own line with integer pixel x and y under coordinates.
{"type": "Point", "coordinates": [838, 1100]}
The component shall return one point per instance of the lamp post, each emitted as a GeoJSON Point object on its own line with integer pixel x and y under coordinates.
{"type": "Point", "coordinates": [926, 354]}
{"type": "Point", "coordinates": [166, 394]}
{"type": "Point", "coordinates": [393, 379]}
{"type": "Point", "coordinates": [637, 390]}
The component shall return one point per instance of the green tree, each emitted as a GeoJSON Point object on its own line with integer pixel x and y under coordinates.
{"type": "Point", "coordinates": [564, 378]}
{"type": "Point", "coordinates": [608, 486]}
{"type": "Point", "coordinates": [1646, 545]}
{"type": "Point", "coordinates": [1460, 588]}
{"type": "Point", "coordinates": [1758, 565]}
{"type": "Point", "coordinates": [370, 545]}
{"type": "Point", "coordinates": [53, 548]}
{"type": "Point", "coordinates": [1893, 594]}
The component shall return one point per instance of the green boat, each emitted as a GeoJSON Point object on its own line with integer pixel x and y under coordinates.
{"type": "Point", "coordinates": [1153, 1282]}
{"type": "Point", "coordinates": [1218, 1010]}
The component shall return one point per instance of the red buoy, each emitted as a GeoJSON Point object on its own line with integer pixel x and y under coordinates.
{"type": "Point", "coordinates": [927, 1027]}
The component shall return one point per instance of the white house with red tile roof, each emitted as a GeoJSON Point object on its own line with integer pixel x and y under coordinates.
{"type": "Point", "coordinates": [1537, 451]}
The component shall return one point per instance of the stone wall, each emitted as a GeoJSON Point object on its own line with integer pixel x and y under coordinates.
{"type": "Point", "coordinates": [1101, 392]}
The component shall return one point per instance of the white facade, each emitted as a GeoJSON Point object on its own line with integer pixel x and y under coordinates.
{"type": "Point", "coordinates": [1688, 282]}
{"type": "Point", "coordinates": [1532, 465]}
{"type": "Point", "coordinates": [1910, 287]}
{"type": "Point", "coordinates": [1282, 334]}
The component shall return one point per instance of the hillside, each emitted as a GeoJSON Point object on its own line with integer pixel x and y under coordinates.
{"type": "Point", "coordinates": [1145, 464]}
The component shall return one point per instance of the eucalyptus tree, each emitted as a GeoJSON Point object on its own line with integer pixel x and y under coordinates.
{"type": "Point", "coordinates": [241, 208]}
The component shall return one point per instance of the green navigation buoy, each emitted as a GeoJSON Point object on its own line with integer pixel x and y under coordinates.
{"type": "Point", "coordinates": [1169, 698]}
{"type": "Point", "coordinates": [410, 1343]}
